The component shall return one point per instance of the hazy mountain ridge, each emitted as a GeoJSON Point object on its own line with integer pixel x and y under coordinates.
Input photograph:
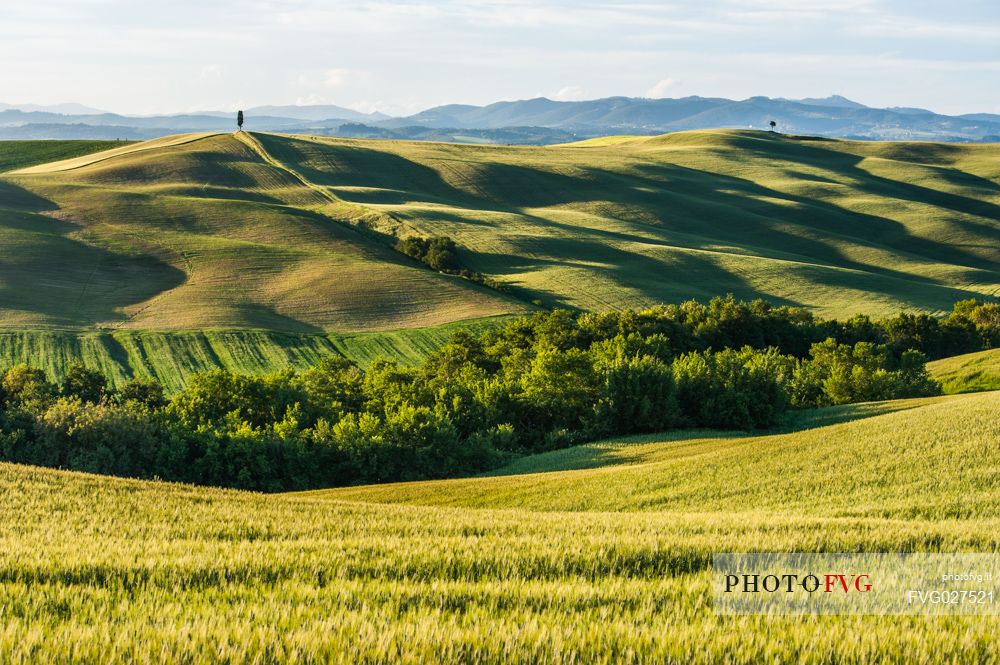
{"type": "Point", "coordinates": [549, 120]}
{"type": "Point", "coordinates": [835, 116]}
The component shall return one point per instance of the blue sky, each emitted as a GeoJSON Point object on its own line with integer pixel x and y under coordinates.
{"type": "Point", "coordinates": [401, 56]}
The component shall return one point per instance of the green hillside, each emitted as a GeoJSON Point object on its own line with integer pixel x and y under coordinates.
{"type": "Point", "coordinates": [968, 373]}
{"type": "Point", "coordinates": [171, 357]}
{"type": "Point", "coordinates": [22, 154]}
{"type": "Point", "coordinates": [199, 232]}
{"type": "Point", "coordinates": [603, 565]}
{"type": "Point", "coordinates": [838, 226]}
{"type": "Point", "coordinates": [251, 237]}
{"type": "Point", "coordinates": [899, 464]}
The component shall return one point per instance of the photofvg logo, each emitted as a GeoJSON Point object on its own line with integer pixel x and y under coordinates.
{"type": "Point", "coordinates": [800, 583]}
{"type": "Point", "coordinates": [791, 582]}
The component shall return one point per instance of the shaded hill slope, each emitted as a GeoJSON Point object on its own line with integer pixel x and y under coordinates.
{"type": "Point", "coordinates": [971, 372]}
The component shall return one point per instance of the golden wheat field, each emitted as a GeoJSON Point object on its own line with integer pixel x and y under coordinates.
{"type": "Point", "coordinates": [565, 566]}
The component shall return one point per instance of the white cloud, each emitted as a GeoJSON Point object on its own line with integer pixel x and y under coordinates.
{"type": "Point", "coordinates": [660, 89]}
{"type": "Point", "coordinates": [568, 93]}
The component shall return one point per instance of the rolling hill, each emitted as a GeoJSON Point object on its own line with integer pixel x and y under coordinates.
{"type": "Point", "coordinates": [291, 235]}
{"type": "Point", "coordinates": [841, 227]}
{"type": "Point", "coordinates": [901, 455]}
{"type": "Point", "coordinates": [971, 372]}
{"type": "Point", "coordinates": [610, 564]}
{"type": "Point", "coordinates": [199, 231]}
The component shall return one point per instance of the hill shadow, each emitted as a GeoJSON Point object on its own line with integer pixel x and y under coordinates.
{"type": "Point", "coordinates": [389, 179]}
{"type": "Point", "coordinates": [848, 165]}
{"type": "Point", "coordinates": [703, 198]}
{"type": "Point", "coordinates": [15, 197]}
{"type": "Point", "coordinates": [722, 209]}
{"type": "Point", "coordinates": [617, 451]}
{"type": "Point", "coordinates": [63, 280]}
{"type": "Point", "coordinates": [394, 180]}
{"type": "Point", "coordinates": [193, 166]}
{"type": "Point", "coordinates": [218, 193]}
{"type": "Point", "coordinates": [260, 315]}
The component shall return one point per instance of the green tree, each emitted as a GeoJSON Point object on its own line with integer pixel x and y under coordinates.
{"type": "Point", "coordinates": [561, 388]}
{"type": "Point", "coordinates": [144, 391]}
{"type": "Point", "coordinates": [25, 385]}
{"type": "Point", "coordinates": [80, 381]}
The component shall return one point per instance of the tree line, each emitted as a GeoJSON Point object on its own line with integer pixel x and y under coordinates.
{"type": "Point", "coordinates": [536, 383]}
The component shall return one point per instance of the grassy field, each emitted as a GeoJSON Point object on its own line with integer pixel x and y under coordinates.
{"type": "Point", "coordinates": [273, 239]}
{"type": "Point", "coordinates": [256, 252]}
{"type": "Point", "coordinates": [258, 230]}
{"type": "Point", "coordinates": [609, 564]}
{"type": "Point", "coordinates": [872, 459]}
{"type": "Point", "coordinates": [838, 226]}
{"type": "Point", "coordinates": [22, 154]}
{"type": "Point", "coordinates": [972, 372]}
{"type": "Point", "coordinates": [172, 357]}
{"type": "Point", "coordinates": [199, 231]}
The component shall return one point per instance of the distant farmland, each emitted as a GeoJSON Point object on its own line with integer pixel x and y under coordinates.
{"type": "Point", "coordinates": [268, 245]}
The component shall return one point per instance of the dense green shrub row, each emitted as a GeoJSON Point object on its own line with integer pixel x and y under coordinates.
{"type": "Point", "coordinates": [538, 383]}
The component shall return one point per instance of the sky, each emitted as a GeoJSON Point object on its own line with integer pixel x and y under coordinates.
{"type": "Point", "coordinates": [402, 56]}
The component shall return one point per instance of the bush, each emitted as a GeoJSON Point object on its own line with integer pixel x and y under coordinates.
{"type": "Point", "coordinates": [438, 252]}
{"type": "Point", "coordinates": [87, 384]}
{"type": "Point", "coordinates": [743, 389]}
{"type": "Point", "coordinates": [639, 393]}
{"type": "Point", "coordinates": [100, 438]}
{"type": "Point", "coordinates": [25, 385]}
{"type": "Point", "coordinates": [211, 397]}
{"type": "Point", "coordinates": [145, 392]}
{"type": "Point", "coordinates": [560, 389]}
{"type": "Point", "coordinates": [865, 372]}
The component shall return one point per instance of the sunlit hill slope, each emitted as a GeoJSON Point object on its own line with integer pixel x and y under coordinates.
{"type": "Point", "coordinates": [293, 235]}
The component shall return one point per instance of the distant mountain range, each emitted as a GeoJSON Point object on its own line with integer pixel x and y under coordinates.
{"type": "Point", "coordinates": [531, 121]}
{"type": "Point", "coordinates": [53, 108]}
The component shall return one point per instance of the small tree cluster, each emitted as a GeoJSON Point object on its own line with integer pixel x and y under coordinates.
{"type": "Point", "coordinates": [438, 252]}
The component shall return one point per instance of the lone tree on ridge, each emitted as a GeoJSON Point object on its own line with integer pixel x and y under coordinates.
{"type": "Point", "coordinates": [239, 120]}
{"type": "Point", "coordinates": [772, 123]}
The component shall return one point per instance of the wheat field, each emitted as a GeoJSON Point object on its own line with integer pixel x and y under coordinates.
{"type": "Point", "coordinates": [604, 564]}
{"type": "Point", "coordinates": [970, 372]}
